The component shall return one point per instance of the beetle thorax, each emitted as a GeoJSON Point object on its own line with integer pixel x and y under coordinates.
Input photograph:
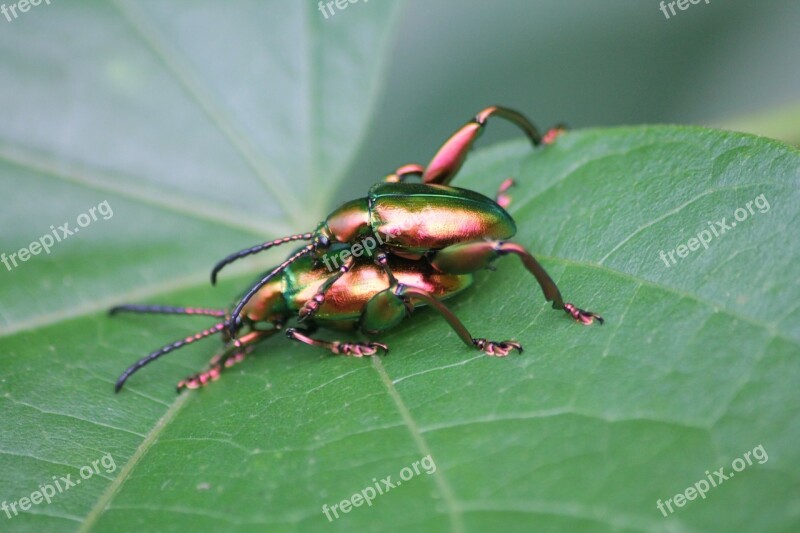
{"type": "Point", "coordinates": [349, 221]}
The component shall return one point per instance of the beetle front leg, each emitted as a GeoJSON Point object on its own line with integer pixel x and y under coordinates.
{"type": "Point", "coordinates": [235, 353]}
{"type": "Point", "coordinates": [470, 257]}
{"type": "Point", "coordinates": [354, 349]}
{"type": "Point", "coordinates": [313, 304]}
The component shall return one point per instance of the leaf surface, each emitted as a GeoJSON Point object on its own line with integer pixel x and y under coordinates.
{"type": "Point", "coordinates": [696, 365]}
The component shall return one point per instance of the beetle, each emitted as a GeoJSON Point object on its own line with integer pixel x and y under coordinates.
{"type": "Point", "coordinates": [430, 221]}
{"type": "Point", "coordinates": [361, 302]}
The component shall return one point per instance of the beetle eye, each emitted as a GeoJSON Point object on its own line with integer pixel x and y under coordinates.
{"type": "Point", "coordinates": [324, 241]}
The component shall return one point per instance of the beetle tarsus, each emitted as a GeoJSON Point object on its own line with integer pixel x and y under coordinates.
{"type": "Point", "coordinates": [501, 197]}
{"type": "Point", "coordinates": [195, 381]}
{"type": "Point", "coordinates": [358, 349]}
{"type": "Point", "coordinates": [353, 349]}
{"type": "Point", "coordinates": [496, 348]}
{"type": "Point", "coordinates": [553, 133]}
{"type": "Point", "coordinates": [584, 317]}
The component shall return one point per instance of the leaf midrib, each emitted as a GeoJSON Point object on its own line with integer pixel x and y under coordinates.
{"type": "Point", "coordinates": [105, 498]}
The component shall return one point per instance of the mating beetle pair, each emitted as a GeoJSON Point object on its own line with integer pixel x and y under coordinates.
{"type": "Point", "coordinates": [433, 238]}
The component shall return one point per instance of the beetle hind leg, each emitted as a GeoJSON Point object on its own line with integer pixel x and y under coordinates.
{"type": "Point", "coordinates": [469, 257]}
{"type": "Point", "coordinates": [353, 349]}
{"type": "Point", "coordinates": [448, 160]}
{"type": "Point", "coordinates": [403, 173]}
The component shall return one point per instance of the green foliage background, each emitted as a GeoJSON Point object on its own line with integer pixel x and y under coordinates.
{"type": "Point", "coordinates": [208, 128]}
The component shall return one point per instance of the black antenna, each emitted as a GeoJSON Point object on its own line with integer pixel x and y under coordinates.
{"type": "Point", "coordinates": [307, 249]}
{"type": "Point", "coordinates": [256, 249]}
{"type": "Point", "coordinates": [216, 328]}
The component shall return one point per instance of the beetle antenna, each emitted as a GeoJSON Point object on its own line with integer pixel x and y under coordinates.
{"type": "Point", "coordinates": [307, 249]}
{"type": "Point", "coordinates": [166, 310]}
{"type": "Point", "coordinates": [256, 249]}
{"type": "Point", "coordinates": [216, 328]}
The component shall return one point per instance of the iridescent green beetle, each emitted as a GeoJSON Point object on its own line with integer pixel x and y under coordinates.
{"type": "Point", "coordinates": [360, 301]}
{"type": "Point", "coordinates": [455, 230]}
{"type": "Point", "coordinates": [432, 237]}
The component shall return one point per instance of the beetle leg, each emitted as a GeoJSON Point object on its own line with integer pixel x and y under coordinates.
{"type": "Point", "coordinates": [402, 173]}
{"type": "Point", "coordinates": [469, 257]}
{"type": "Point", "coordinates": [501, 197]}
{"type": "Point", "coordinates": [493, 348]}
{"type": "Point", "coordinates": [313, 304]}
{"type": "Point", "coordinates": [382, 261]}
{"type": "Point", "coordinates": [550, 135]}
{"type": "Point", "coordinates": [386, 308]}
{"type": "Point", "coordinates": [354, 349]}
{"type": "Point", "coordinates": [235, 353]}
{"type": "Point", "coordinates": [448, 160]}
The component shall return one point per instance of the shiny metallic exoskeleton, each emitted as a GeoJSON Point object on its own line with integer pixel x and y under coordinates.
{"type": "Point", "coordinates": [432, 236]}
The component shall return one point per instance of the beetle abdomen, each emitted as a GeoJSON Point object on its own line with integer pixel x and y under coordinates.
{"type": "Point", "coordinates": [417, 217]}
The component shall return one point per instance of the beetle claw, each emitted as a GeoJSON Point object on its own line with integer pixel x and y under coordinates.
{"type": "Point", "coordinates": [495, 348]}
{"type": "Point", "coordinates": [585, 317]}
{"type": "Point", "coordinates": [364, 349]}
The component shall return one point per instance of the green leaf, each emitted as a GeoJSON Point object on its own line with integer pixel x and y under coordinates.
{"type": "Point", "coordinates": [696, 366]}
